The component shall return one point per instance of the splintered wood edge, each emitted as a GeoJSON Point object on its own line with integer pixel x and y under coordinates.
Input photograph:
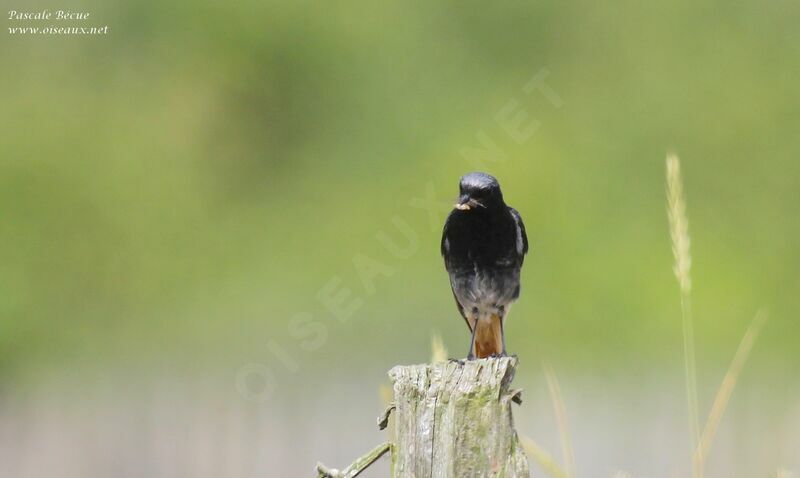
{"type": "Point", "coordinates": [485, 371]}
{"type": "Point", "coordinates": [487, 374]}
{"type": "Point", "coordinates": [481, 379]}
{"type": "Point", "coordinates": [383, 420]}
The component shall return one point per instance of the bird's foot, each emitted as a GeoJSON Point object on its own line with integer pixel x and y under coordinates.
{"type": "Point", "coordinates": [458, 361]}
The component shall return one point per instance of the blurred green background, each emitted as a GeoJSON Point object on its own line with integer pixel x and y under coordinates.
{"type": "Point", "coordinates": [174, 193]}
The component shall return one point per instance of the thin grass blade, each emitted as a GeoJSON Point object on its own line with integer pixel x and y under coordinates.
{"type": "Point", "coordinates": [726, 389]}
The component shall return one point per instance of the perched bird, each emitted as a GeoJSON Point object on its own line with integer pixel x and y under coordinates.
{"type": "Point", "coordinates": [483, 245]}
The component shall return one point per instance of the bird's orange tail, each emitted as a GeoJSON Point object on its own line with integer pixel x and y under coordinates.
{"type": "Point", "coordinates": [488, 337]}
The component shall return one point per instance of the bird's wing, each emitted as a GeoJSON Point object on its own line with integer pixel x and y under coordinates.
{"type": "Point", "coordinates": [522, 237]}
{"type": "Point", "coordinates": [460, 308]}
{"type": "Point", "coordinates": [444, 245]}
{"type": "Point", "coordinates": [445, 249]}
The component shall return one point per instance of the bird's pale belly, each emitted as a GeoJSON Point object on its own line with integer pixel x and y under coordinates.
{"type": "Point", "coordinates": [485, 293]}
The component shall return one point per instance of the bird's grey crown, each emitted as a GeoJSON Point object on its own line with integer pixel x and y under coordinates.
{"type": "Point", "coordinates": [473, 181]}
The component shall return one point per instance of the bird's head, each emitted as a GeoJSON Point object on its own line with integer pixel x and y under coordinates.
{"type": "Point", "coordinates": [478, 191]}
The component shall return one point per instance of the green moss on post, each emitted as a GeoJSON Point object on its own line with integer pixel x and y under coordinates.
{"type": "Point", "coordinates": [453, 420]}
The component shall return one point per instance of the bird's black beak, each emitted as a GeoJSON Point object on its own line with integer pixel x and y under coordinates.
{"type": "Point", "coordinates": [465, 203]}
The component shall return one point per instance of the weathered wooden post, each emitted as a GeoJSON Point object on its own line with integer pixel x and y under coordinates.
{"type": "Point", "coordinates": [453, 420]}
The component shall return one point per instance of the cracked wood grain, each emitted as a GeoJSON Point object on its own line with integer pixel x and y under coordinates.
{"type": "Point", "coordinates": [453, 419]}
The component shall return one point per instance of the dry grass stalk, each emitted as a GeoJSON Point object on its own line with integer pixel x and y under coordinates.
{"type": "Point", "coordinates": [725, 391]}
{"type": "Point", "coordinates": [561, 421]}
{"type": "Point", "coordinates": [679, 223]}
{"type": "Point", "coordinates": [438, 350]}
{"type": "Point", "coordinates": [621, 474]}
{"type": "Point", "coordinates": [679, 233]}
{"type": "Point", "coordinates": [783, 473]}
{"type": "Point", "coordinates": [544, 459]}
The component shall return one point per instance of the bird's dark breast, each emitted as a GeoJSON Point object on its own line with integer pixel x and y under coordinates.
{"type": "Point", "coordinates": [488, 240]}
{"type": "Point", "coordinates": [482, 258]}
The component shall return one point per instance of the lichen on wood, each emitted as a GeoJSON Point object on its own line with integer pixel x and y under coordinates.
{"type": "Point", "coordinates": [453, 419]}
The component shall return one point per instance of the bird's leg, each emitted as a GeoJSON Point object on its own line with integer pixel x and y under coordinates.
{"type": "Point", "coordinates": [502, 317]}
{"type": "Point", "coordinates": [503, 338]}
{"type": "Point", "coordinates": [471, 355]}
